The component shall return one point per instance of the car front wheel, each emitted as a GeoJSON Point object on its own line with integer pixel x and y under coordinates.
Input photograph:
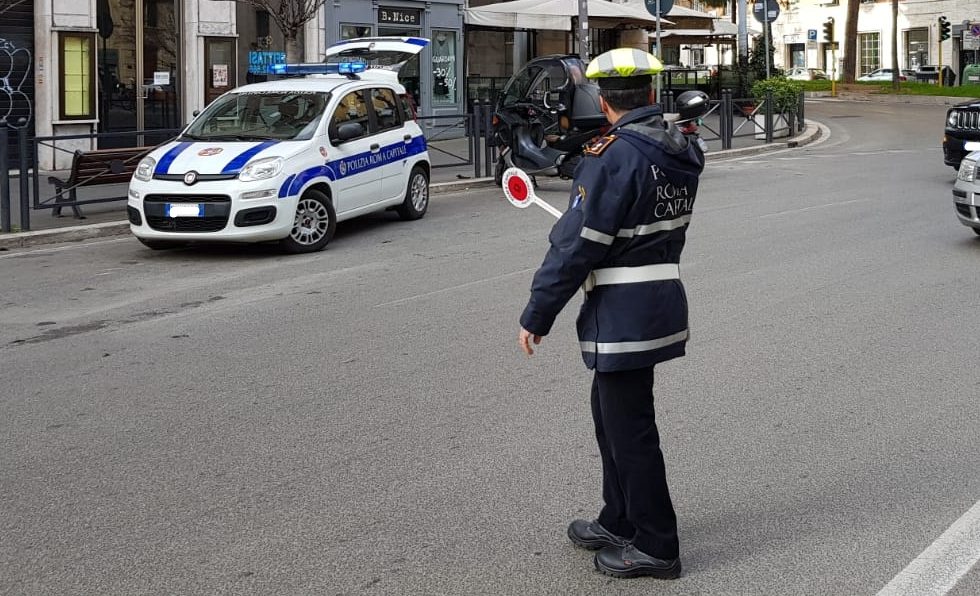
{"type": "Point", "coordinates": [314, 224]}
{"type": "Point", "coordinates": [976, 231]}
{"type": "Point", "coordinates": [416, 196]}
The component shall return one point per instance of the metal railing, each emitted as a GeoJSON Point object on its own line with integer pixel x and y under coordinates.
{"type": "Point", "coordinates": [727, 119]}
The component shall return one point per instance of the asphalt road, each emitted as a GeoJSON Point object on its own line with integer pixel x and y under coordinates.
{"type": "Point", "coordinates": [231, 421]}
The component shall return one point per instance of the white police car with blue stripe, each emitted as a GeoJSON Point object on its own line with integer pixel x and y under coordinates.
{"type": "Point", "coordinates": [286, 160]}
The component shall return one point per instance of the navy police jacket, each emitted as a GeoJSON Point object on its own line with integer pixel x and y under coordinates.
{"type": "Point", "coordinates": [621, 239]}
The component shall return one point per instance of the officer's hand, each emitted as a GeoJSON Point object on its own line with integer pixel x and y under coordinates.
{"type": "Point", "coordinates": [524, 339]}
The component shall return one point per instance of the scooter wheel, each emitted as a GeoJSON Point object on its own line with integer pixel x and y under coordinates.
{"type": "Point", "coordinates": [498, 171]}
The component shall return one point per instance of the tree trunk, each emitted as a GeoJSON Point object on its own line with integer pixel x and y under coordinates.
{"type": "Point", "coordinates": [850, 56]}
{"type": "Point", "coordinates": [294, 54]}
{"type": "Point", "coordinates": [895, 71]}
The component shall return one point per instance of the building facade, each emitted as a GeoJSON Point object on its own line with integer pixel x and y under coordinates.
{"type": "Point", "coordinates": [114, 67]}
{"type": "Point", "coordinates": [433, 77]}
{"type": "Point", "coordinates": [798, 35]}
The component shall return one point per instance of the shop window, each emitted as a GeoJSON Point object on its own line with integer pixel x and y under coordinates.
{"type": "Point", "coordinates": [77, 70]}
{"type": "Point", "coordinates": [355, 31]}
{"type": "Point", "coordinates": [916, 48]}
{"type": "Point", "coordinates": [443, 67]}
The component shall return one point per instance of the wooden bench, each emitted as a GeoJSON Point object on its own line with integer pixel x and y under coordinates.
{"type": "Point", "coordinates": [94, 168]}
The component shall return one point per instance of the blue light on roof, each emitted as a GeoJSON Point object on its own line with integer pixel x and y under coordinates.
{"type": "Point", "coordinates": [343, 68]}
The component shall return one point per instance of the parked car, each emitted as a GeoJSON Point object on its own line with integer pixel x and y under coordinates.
{"type": "Point", "coordinates": [881, 74]}
{"type": "Point", "coordinates": [966, 191]}
{"type": "Point", "coordinates": [962, 125]}
{"type": "Point", "coordinates": [287, 160]}
{"type": "Point", "coordinates": [800, 73]}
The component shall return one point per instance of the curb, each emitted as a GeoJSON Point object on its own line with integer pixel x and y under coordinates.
{"type": "Point", "coordinates": [116, 228]}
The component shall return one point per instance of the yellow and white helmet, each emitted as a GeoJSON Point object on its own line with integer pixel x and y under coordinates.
{"type": "Point", "coordinates": [623, 68]}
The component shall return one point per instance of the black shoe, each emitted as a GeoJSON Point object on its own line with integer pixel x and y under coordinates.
{"type": "Point", "coordinates": [593, 536]}
{"type": "Point", "coordinates": [630, 561]}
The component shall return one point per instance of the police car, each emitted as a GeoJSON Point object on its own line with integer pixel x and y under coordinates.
{"type": "Point", "coordinates": [286, 160]}
{"type": "Point", "coordinates": [966, 191]}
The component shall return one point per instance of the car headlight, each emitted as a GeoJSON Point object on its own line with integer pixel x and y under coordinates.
{"type": "Point", "coordinates": [967, 171]}
{"type": "Point", "coordinates": [952, 118]}
{"type": "Point", "coordinates": [144, 170]}
{"type": "Point", "coordinates": [261, 169]}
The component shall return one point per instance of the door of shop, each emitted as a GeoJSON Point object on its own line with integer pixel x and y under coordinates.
{"type": "Point", "coordinates": [139, 59]}
{"type": "Point", "coordinates": [16, 74]}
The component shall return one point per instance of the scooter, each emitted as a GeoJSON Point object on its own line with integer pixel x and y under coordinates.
{"type": "Point", "coordinates": [546, 115]}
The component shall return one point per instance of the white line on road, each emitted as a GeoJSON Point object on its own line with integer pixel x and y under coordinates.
{"type": "Point", "coordinates": [811, 207]}
{"type": "Point", "coordinates": [452, 288]}
{"type": "Point", "coordinates": [74, 245]}
{"type": "Point", "coordinates": [943, 563]}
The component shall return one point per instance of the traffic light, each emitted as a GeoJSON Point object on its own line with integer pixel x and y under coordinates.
{"type": "Point", "coordinates": [943, 29]}
{"type": "Point", "coordinates": [828, 30]}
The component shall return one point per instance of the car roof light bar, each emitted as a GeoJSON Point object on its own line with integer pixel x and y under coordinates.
{"type": "Point", "coordinates": [319, 68]}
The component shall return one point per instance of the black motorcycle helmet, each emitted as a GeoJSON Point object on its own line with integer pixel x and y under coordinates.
{"type": "Point", "coordinates": [691, 104]}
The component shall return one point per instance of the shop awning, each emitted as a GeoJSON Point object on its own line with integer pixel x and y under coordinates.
{"type": "Point", "coordinates": [557, 15]}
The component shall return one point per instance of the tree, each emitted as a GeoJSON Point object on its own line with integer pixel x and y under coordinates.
{"type": "Point", "coordinates": [289, 16]}
{"type": "Point", "coordinates": [850, 40]}
{"type": "Point", "coordinates": [6, 5]}
{"type": "Point", "coordinates": [895, 71]}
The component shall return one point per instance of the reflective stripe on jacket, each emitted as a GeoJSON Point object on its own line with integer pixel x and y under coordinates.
{"type": "Point", "coordinates": [621, 239]}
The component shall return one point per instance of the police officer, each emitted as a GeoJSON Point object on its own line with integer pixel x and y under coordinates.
{"type": "Point", "coordinates": [621, 240]}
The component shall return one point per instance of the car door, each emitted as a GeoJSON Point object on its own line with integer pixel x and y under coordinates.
{"type": "Point", "coordinates": [396, 142]}
{"type": "Point", "coordinates": [354, 163]}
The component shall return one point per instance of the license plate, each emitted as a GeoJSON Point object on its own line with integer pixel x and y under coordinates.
{"type": "Point", "coordinates": [184, 210]}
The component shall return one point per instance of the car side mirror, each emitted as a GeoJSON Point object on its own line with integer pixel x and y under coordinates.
{"type": "Point", "coordinates": [348, 131]}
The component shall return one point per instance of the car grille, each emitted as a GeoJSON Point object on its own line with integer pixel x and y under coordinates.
{"type": "Point", "coordinates": [216, 211]}
{"type": "Point", "coordinates": [967, 120]}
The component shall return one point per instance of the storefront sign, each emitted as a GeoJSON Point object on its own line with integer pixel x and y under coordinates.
{"type": "Point", "coordinates": [399, 16]}
{"type": "Point", "coordinates": [259, 61]}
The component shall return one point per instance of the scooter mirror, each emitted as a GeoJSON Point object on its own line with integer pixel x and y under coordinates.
{"type": "Point", "coordinates": [519, 190]}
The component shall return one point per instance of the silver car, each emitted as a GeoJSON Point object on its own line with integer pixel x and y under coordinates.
{"type": "Point", "coordinates": [966, 191]}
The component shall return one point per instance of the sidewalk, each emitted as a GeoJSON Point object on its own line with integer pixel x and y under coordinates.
{"type": "Point", "coordinates": [107, 219]}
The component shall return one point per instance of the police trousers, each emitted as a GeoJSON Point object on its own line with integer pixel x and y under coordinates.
{"type": "Point", "coordinates": [637, 503]}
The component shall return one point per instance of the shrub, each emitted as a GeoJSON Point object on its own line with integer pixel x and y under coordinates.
{"type": "Point", "coordinates": [785, 93]}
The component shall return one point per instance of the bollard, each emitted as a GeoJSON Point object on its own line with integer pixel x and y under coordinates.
{"type": "Point", "coordinates": [25, 200]}
{"type": "Point", "coordinates": [802, 119]}
{"type": "Point", "coordinates": [475, 139]}
{"type": "Point", "coordinates": [488, 150]}
{"type": "Point", "coordinates": [725, 119]}
{"type": "Point", "coordinates": [768, 121]}
{"type": "Point", "coordinates": [4, 178]}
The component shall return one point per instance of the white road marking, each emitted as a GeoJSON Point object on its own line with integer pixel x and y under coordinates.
{"type": "Point", "coordinates": [74, 245]}
{"type": "Point", "coordinates": [811, 207]}
{"type": "Point", "coordinates": [943, 563]}
{"type": "Point", "coordinates": [453, 288]}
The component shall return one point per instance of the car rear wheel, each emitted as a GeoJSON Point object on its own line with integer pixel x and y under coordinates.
{"type": "Point", "coordinates": [314, 224]}
{"type": "Point", "coordinates": [416, 201]}
{"type": "Point", "coordinates": [161, 244]}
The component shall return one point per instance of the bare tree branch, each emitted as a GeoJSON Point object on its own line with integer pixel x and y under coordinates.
{"type": "Point", "coordinates": [288, 15]}
{"type": "Point", "coordinates": [6, 5]}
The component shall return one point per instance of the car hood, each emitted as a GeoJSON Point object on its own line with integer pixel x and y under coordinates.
{"type": "Point", "coordinates": [204, 157]}
{"type": "Point", "coordinates": [970, 103]}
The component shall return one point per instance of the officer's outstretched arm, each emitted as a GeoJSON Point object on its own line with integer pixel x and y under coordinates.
{"type": "Point", "coordinates": [580, 240]}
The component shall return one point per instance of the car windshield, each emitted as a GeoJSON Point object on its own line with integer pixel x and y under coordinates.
{"type": "Point", "coordinates": [257, 116]}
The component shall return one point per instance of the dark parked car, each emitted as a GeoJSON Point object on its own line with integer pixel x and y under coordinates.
{"type": "Point", "coordinates": [962, 125]}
